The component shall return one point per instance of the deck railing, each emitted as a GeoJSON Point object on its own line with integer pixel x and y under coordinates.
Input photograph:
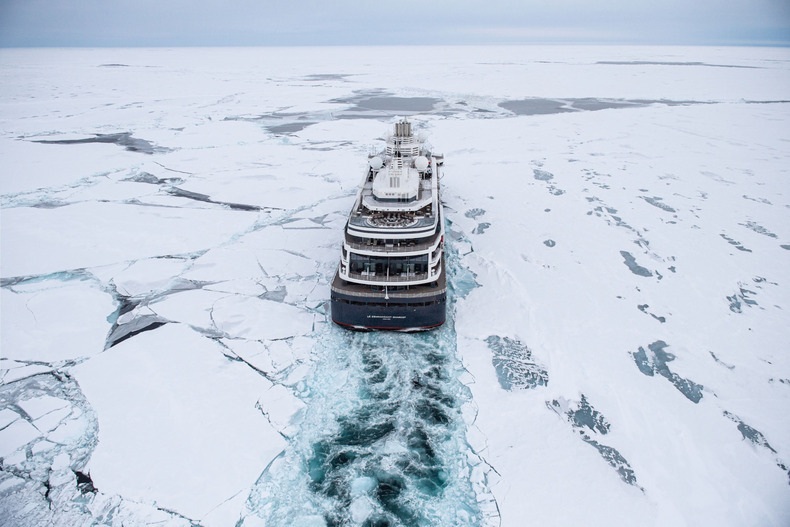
{"type": "Point", "coordinates": [403, 248]}
{"type": "Point", "coordinates": [391, 294]}
{"type": "Point", "coordinates": [383, 278]}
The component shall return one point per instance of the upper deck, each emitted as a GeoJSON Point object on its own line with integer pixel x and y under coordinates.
{"type": "Point", "coordinates": [395, 233]}
{"type": "Point", "coordinates": [399, 198]}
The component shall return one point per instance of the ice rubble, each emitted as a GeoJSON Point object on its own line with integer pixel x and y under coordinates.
{"type": "Point", "coordinates": [164, 330]}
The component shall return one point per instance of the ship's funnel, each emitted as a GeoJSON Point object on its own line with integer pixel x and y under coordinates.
{"type": "Point", "coordinates": [403, 129]}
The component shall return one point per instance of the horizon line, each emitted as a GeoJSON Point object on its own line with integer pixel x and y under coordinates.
{"type": "Point", "coordinates": [745, 44]}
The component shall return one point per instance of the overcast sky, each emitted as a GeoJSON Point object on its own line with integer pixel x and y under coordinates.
{"type": "Point", "coordinates": [358, 22]}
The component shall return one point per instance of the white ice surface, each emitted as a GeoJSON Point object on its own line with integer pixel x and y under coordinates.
{"type": "Point", "coordinates": [16, 435]}
{"type": "Point", "coordinates": [36, 327]}
{"type": "Point", "coordinates": [178, 424]}
{"type": "Point", "coordinates": [81, 233]}
{"type": "Point", "coordinates": [691, 181]}
{"type": "Point", "coordinates": [575, 305]}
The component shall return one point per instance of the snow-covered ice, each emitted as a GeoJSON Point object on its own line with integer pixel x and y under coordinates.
{"type": "Point", "coordinates": [618, 224]}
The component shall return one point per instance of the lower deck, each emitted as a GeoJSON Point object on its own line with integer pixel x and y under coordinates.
{"type": "Point", "coordinates": [360, 307]}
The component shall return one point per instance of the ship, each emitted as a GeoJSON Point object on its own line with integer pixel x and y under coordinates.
{"type": "Point", "coordinates": [391, 274]}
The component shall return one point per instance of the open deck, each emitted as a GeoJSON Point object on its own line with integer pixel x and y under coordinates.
{"type": "Point", "coordinates": [364, 291]}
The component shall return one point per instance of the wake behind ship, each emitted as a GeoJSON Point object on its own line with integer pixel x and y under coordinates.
{"type": "Point", "coordinates": [392, 270]}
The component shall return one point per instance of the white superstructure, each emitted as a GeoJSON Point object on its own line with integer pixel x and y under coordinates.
{"type": "Point", "coordinates": [395, 234]}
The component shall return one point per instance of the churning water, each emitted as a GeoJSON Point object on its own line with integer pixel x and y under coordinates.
{"type": "Point", "coordinates": [382, 441]}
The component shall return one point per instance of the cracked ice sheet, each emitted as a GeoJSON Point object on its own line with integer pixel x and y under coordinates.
{"type": "Point", "coordinates": [266, 174]}
{"type": "Point", "coordinates": [36, 166]}
{"type": "Point", "coordinates": [256, 319]}
{"type": "Point", "coordinates": [53, 321]}
{"type": "Point", "coordinates": [235, 315]}
{"type": "Point", "coordinates": [563, 304]}
{"type": "Point", "coordinates": [39, 241]}
{"type": "Point", "coordinates": [178, 424]}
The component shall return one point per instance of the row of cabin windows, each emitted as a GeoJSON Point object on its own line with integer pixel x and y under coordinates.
{"type": "Point", "coordinates": [393, 266]}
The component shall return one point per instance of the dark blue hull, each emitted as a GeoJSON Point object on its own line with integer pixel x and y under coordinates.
{"type": "Point", "coordinates": [368, 312]}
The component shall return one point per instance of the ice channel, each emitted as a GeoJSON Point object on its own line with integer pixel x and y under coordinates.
{"type": "Point", "coordinates": [382, 441]}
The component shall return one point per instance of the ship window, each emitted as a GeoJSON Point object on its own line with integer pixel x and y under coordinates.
{"type": "Point", "coordinates": [382, 266]}
{"type": "Point", "coordinates": [420, 263]}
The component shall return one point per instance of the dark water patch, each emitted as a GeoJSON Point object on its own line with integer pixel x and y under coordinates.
{"type": "Point", "coordinates": [133, 328]}
{"type": "Point", "coordinates": [540, 106]}
{"type": "Point", "coordinates": [542, 175]}
{"type": "Point", "coordinates": [775, 101]}
{"type": "Point", "coordinates": [481, 227]}
{"type": "Point", "coordinates": [658, 202]}
{"type": "Point", "coordinates": [371, 103]}
{"type": "Point", "coordinates": [786, 247]}
{"type": "Point", "coordinates": [276, 295]}
{"type": "Point", "coordinates": [515, 368]}
{"type": "Point", "coordinates": [590, 423]}
{"type": "Point", "coordinates": [615, 460]}
{"type": "Point", "coordinates": [635, 268]}
{"type": "Point", "coordinates": [719, 361]}
{"type": "Point", "coordinates": [289, 128]}
{"type": "Point", "coordinates": [668, 102]}
{"type": "Point", "coordinates": [145, 177]}
{"type": "Point", "coordinates": [181, 193]}
{"type": "Point", "coordinates": [474, 213]}
{"type": "Point", "coordinates": [49, 204]}
{"type": "Point", "coordinates": [273, 116]}
{"type": "Point", "coordinates": [584, 415]}
{"type": "Point", "coordinates": [113, 65]}
{"type": "Point", "coordinates": [735, 303]}
{"type": "Point", "coordinates": [670, 63]}
{"type": "Point", "coordinates": [125, 327]}
{"type": "Point", "coordinates": [756, 438]}
{"type": "Point", "coordinates": [85, 483]}
{"type": "Point", "coordinates": [759, 229]}
{"type": "Point", "coordinates": [738, 245]}
{"type": "Point", "coordinates": [124, 139]}
{"type": "Point", "coordinates": [655, 359]}
{"type": "Point", "coordinates": [740, 299]}
{"type": "Point", "coordinates": [590, 104]}
{"type": "Point", "coordinates": [758, 200]}
{"type": "Point", "coordinates": [396, 104]}
{"type": "Point", "coordinates": [549, 243]}
{"type": "Point", "coordinates": [643, 309]}
{"type": "Point", "coordinates": [537, 106]}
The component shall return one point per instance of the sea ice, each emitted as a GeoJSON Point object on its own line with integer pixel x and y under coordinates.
{"type": "Point", "coordinates": [168, 404]}
{"type": "Point", "coordinates": [164, 292]}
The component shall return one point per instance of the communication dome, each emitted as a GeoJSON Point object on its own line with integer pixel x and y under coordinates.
{"type": "Point", "coordinates": [376, 163]}
{"type": "Point", "coordinates": [421, 163]}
